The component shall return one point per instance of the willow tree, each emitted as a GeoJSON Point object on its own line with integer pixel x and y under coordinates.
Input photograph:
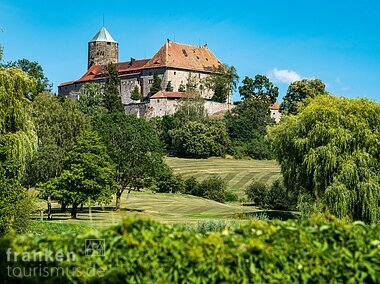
{"type": "Point", "coordinates": [330, 152]}
{"type": "Point", "coordinates": [18, 141]}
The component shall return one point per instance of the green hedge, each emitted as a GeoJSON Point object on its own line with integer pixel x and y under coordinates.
{"type": "Point", "coordinates": [144, 251]}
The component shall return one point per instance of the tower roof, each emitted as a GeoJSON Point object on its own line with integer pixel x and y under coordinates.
{"type": "Point", "coordinates": [103, 35]}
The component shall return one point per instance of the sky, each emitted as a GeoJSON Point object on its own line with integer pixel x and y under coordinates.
{"type": "Point", "coordinates": [335, 41]}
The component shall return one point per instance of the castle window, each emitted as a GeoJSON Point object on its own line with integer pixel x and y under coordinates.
{"type": "Point", "coordinates": [108, 43]}
{"type": "Point", "coordinates": [175, 73]}
{"type": "Point", "coordinates": [151, 81]}
{"type": "Point", "coordinates": [150, 73]}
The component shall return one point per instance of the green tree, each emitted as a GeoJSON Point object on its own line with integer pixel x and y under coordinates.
{"type": "Point", "coordinates": [201, 139]}
{"type": "Point", "coordinates": [214, 188]}
{"type": "Point", "coordinates": [300, 92]}
{"type": "Point", "coordinates": [247, 128]}
{"type": "Point", "coordinates": [35, 71]}
{"type": "Point", "coordinates": [257, 193]}
{"type": "Point", "coordinates": [190, 109]}
{"type": "Point", "coordinates": [181, 88]}
{"type": "Point", "coordinates": [18, 142]}
{"type": "Point", "coordinates": [156, 86]}
{"type": "Point", "coordinates": [58, 124]}
{"type": "Point", "coordinates": [134, 146]}
{"type": "Point", "coordinates": [169, 87]}
{"type": "Point", "coordinates": [223, 84]}
{"type": "Point", "coordinates": [259, 88]}
{"type": "Point", "coordinates": [91, 99]}
{"type": "Point", "coordinates": [112, 100]}
{"type": "Point", "coordinates": [88, 175]}
{"type": "Point", "coordinates": [329, 154]}
{"type": "Point", "coordinates": [136, 94]}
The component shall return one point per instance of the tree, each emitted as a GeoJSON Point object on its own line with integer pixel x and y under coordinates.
{"type": "Point", "coordinates": [223, 83]}
{"type": "Point", "coordinates": [299, 92]}
{"type": "Point", "coordinates": [156, 86]}
{"type": "Point", "coordinates": [18, 142]}
{"type": "Point", "coordinates": [247, 128]}
{"type": "Point", "coordinates": [257, 193]}
{"type": "Point", "coordinates": [201, 139]}
{"type": "Point", "coordinates": [181, 88]}
{"type": "Point", "coordinates": [88, 175]}
{"type": "Point", "coordinates": [329, 154]}
{"type": "Point", "coordinates": [112, 100]}
{"type": "Point", "coordinates": [91, 99]}
{"type": "Point", "coordinates": [133, 145]}
{"type": "Point", "coordinates": [35, 71]}
{"type": "Point", "coordinates": [190, 109]}
{"type": "Point", "coordinates": [169, 87]}
{"type": "Point", "coordinates": [214, 188]}
{"type": "Point", "coordinates": [136, 94]}
{"type": "Point", "coordinates": [58, 124]}
{"type": "Point", "coordinates": [259, 88]}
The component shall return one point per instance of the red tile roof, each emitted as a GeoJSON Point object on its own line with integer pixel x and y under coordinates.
{"type": "Point", "coordinates": [184, 56]}
{"type": "Point", "coordinates": [275, 106]}
{"type": "Point", "coordinates": [174, 95]}
{"type": "Point", "coordinates": [96, 71]}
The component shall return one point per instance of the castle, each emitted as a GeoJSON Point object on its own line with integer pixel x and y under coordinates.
{"type": "Point", "coordinates": [174, 62]}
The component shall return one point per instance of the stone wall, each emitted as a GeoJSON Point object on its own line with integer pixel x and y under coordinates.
{"type": "Point", "coordinates": [102, 53]}
{"type": "Point", "coordinates": [126, 88]}
{"type": "Point", "coordinates": [72, 91]}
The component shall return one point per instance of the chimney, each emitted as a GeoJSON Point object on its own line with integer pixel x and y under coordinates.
{"type": "Point", "coordinates": [132, 61]}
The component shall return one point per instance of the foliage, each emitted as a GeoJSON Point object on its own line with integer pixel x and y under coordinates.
{"type": "Point", "coordinates": [201, 139]}
{"type": "Point", "coordinates": [135, 148]}
{"type": "Point", "coordinates": [35, 71]}
{"type": "Point", "coordinates": [192, 187]}
{"type": "Point", "coordinates": [181, 88]}
{"type": "Point", "coordinates": [91, 99]}
{"type": "Point", "coordinates": [169, 87]}
{"type": "Point", "coordinates": [156, 86]}
{"type": "Point", "coordinates": [88, 175]}
{"type": "Point", "coordinates": [136, 94]}
{"type": "Point", "coordinates": [299, 93]}
{"type": "Point", "coordinates": [247, 128]}
{"type": "Point", "coordinates": [58, 125]}
{"type": "Point", "coordinates": [144, 251]}
{"type": "Point", "coordinates": [330, 152]}
{"type": "Point", "coordinates": [18, 142]}
{"type": "Point", "coordinates": [214, 188]}
{"type": "Point", "coordinates": [112, 100]}
{"type": "Point", "coordinates": [279, 198]}
{"type": "Point", "coordinates": [259, 88]}
{"type": "Point", "coordinates": [257, 193]}
{"type": "Point", "coordinates": [231, 197]}
{"type": "Point", "coordinates": [223, 83]}
{"type": "Point", "coordinates": [190, 109]}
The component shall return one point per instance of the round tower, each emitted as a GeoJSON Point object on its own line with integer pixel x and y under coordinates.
{"type": "Point", "coordinates": [102, 49]}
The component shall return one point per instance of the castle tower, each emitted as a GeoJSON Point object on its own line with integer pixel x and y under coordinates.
{"type": "Point", "coordinates": [102, 49]}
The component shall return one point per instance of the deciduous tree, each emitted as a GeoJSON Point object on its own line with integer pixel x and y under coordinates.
{"type": "Point", "coordinates": [259, 88]}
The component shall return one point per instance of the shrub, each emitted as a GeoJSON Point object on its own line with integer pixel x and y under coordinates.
{"type": "Point", "coordinates": [257, 193]}
{"type": "Point", "coordinates": [231, 197]}
{"type": "Point", "coordinates": [214, 188]}
{"type": "Point", "coordinates": [144, 251]}
{"type": "Point", "coordinates": [192, 187]}
{"type": "Point", "coordinates": [279, 198]}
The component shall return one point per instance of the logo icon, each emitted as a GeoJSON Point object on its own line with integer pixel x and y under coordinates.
{"type": "Point", "coordinates": [94, 245]}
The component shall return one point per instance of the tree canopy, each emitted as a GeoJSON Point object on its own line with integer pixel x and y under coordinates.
{"type": "Point", "coordinates": [18, 142]}
{"type": "Point", "coordinates": [329, 154]}
{"type": "Point", "coordinates": [112, 100]}
{"type": "Point", "coordinates": [35, 71]}
{"type": "Point", "coordinates": [299, 92]}
{"type": "Point", "coordinates": [156, 86]}
{"type": "Point", "coordinates": [223, 83]}
{"type": "Point", "coordinates": [260, 88]}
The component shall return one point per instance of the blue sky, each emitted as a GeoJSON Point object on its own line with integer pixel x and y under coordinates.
{"type": "Point", "coordinates": [336, 41]}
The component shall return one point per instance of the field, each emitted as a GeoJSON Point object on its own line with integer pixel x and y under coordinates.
{"type": "Point", "coordinates": [178, 208]}
{"type": "Point", "coordinates": [237, 173]}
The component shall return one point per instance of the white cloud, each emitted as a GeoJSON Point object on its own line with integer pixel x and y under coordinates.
{"type": "Point", "coordinates": [284, 76]}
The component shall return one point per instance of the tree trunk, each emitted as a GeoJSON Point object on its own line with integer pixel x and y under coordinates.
{"type": "Point", "coordinates": [74, 211]}
{"type": "Point", "coordinates": [81, 206]}
{"type": "Point", "coordinates": [63, 207]}
{"type": "Point", "coordinates": [49, 208]}
{"type": "Point", "coordinates": [118, 199]}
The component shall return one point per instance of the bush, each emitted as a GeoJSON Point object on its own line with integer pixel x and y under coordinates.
{"type": "Point", "coordinates": [193, 187]}
{"type": "Point", "coordinates": [170, 184]}
{"type": "Point", "coordinates": [143, 251]}
{"type": "Point", "coordinates": [279, 198]}
{"type": "Point", "coordinates": [231, 197]}
{"type": "Point", "coordinates": [214, 188]}
{"type": "Point", "coordinates": [257, 193]}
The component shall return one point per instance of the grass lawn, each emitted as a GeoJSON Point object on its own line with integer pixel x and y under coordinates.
{"type": "Point", "coordinates": [164, 207]}
{"type": "Point", "coordinates": [237, 173]}
{"type": "Point", "coordinates": [172, 208]}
